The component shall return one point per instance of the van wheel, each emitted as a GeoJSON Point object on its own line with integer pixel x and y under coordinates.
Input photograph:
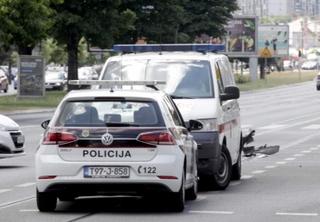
{"type": "Point", "coordinates": [236, 168]}
{"type": "Point", "coordinates": [66, 197]}
{"type": "Point", "coordinates": [46, 202]}
{"type": "Point", "coordinates": [5, 90]}
{"type": "Point", "coordinates": [222, 177]}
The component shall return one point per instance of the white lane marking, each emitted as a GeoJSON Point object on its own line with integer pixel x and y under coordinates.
{"type": "Point", "coordinates": [16, 202]}
{"type": "Point", "coordinates": [272, 126]}
{"type": "Point", "coordinates": [246, 177]}
{"type": "Point", "coordinates": [281, 162]}
{"type": "Point", "coordinates": [29, 210]}
{"type": "Point", "coordinates": [270, 167]}
{"type": "Point", "coordinates": [306, 151]}
{"type": "Point", "coordinates": [210, 212]}
{"type": "Point", "coordinates": [25, 184]}
{"type": "Point", "coordinates": [290, 159]}
{"type": "Point", "coordinates": [299, 141]}
{"type": "Point", "coordinates": [258, 171]}
{"type": "Point", "coordinates": [4, 190]}
{"type": "Point", "coordinates": [314, 148]}
{"type": "Point", "coordinates": [298, 155]}
{"type": "Point", "coordinates": [311, 127]}
{"type": "Point", "coordinates": [296, 214]}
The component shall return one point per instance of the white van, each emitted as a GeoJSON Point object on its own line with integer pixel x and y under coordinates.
{"type": "Point", "coordinates": [203, 88]}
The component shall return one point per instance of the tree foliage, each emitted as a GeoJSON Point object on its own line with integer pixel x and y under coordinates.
{"type": "Point", "coordinates": [24, 23]}
{"type": "Point", "coordinates": [170, 21]}
{"type": "Point", "coordinates": [98, 21]}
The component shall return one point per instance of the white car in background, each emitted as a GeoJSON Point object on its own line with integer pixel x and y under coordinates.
{"type": "Point", "coordinates": [87, 73]}
{"type": "Point", "coordinates": [11, 138]}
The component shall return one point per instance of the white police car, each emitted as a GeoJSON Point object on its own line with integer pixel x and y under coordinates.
{"type": "Point", "coordinates": [102, 142]}
{"type": "Point", "coordinates": [11, 138]}
{"type": "Point", "coordinates": [202, 84]}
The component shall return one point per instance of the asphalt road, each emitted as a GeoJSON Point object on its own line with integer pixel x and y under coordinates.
{"type": "Point", "coordinates": [282, 187]}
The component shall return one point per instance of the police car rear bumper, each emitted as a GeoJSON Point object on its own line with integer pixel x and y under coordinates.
{"type": "Point", "coordinates": [208, 152]}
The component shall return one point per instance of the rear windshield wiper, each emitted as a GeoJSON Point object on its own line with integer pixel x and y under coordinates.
{"type": "Point", "coordinates": [120, 124]}
{"type": "Point", "coordinates": [180, 97]}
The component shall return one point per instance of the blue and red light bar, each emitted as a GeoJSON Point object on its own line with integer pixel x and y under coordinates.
{"type": "Point", "coordinates": [169, 48]}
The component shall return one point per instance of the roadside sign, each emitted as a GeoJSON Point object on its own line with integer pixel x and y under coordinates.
{"type": "Point", "coordinates": [241, 36]}
{"type": "Point", "coordinates": [275, 38]}
{"type": "Point", "coordinates": [31, 76]}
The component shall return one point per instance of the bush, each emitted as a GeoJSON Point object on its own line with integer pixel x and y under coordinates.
{"type": "Point", "coordinates": [240, 79]}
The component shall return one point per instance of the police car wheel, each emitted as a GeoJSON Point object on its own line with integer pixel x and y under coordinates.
{"type": "Point", "coordinates": [192, 192]}
{"type": "Point", "coordinates": [177, 200]}
{"type": "Point", "coordinates": [46, 202]}
{"type": "Point", "coordinates": [222, 177]}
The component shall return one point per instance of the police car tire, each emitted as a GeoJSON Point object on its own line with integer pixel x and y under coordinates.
{"type": "Point", "coordinates": [192, 192]}
{"type": "Point", "coordinates": [221, 180]}
{"type": "Point", "coordinates": [46, 202]}
{"type": "Point", "coordinates": [177, 200]}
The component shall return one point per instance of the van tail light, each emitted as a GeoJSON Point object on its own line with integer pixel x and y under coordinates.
{"type": "Point", "coordinates": [52, 138]}
{"type": "Point", "coordinates": [157, 138]}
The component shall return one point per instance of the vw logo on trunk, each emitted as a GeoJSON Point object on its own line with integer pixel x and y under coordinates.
{"type": "Point", "coordinates": [107, 139]}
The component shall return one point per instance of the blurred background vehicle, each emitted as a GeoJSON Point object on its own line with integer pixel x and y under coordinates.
{"type": "Point", "coordinates": [318, 81]}
{"type": "Point", "coordinates": [55, 80]}
{"type": "Point", "coordinates": [4, 83]}
{"type": "Point", "coordinates": [15, 82]}
{"type": "Point", "coordinates": [310, 65]}
{"type": "Point", "coordinates": [11, 138]}
{"type": "Point", "coordinates": [87, 73]}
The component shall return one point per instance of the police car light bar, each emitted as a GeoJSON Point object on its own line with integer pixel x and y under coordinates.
{"type": "Point", "coordinates": [168, 47]}
{"type": "Point", "coordinates": [112, 83]}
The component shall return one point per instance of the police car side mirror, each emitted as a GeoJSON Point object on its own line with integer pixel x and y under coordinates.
{"type": "Point", "coordinates": [45, 124]}
{"type": "Point", "coordinates": [194, 125]}
{"type": "Point", "coordinates": [230, 92]}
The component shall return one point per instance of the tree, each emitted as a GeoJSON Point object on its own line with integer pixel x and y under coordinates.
{"type": "Point", "coordinates": [170, 21]}
{"type": "Point", "coordinates": [158, 21]}
{"type": "Point", "coordinates": [207, 17]}
{"type": "Point", "coordinates": [98, 21]}
{"type": "Point", "coordinates": [24, 23]}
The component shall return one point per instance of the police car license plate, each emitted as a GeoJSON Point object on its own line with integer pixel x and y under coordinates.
{"type": "Point", "coordinates": [106, 172]}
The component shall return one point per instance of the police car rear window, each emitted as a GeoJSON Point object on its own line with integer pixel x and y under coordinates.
{"type": "Point", "coordinates": [110, 114]}
{"type": "Point", "coordinates": [184, 78]}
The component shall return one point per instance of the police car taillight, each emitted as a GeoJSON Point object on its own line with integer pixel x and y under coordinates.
{"type": "Point", "coordinates": [157, 138]}
{"type": "Point", "coordinates": [58, 138]}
